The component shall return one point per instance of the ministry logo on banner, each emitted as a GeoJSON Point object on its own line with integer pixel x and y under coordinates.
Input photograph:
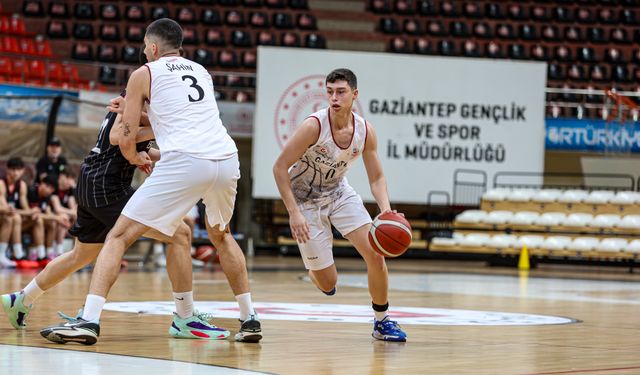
{"type": "Point", "coordinates": [302, 98]}
{"type": "Point", "coordinates": [346, 313]}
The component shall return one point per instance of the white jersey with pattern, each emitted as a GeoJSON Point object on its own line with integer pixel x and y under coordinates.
{"type": "Point", "coordinates": [183, 111]}
{"type": "Point", "coordinates": [320, 173]}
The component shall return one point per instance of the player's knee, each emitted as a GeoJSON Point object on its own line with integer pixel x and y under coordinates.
{"type": "Point", "coordinates": [376, 261]}
{"type": "Point", "coordinates": [182, 234]}
{"type": "Point", "coordinates": [326, 282]}
{"type": "Point", "coordinates": [217, 236]}
{"type": "Point", "coordinates": [16, 219]}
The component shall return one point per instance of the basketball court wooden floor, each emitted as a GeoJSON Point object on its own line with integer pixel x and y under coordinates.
{"type": "Point", "coordinates": [461, 318]}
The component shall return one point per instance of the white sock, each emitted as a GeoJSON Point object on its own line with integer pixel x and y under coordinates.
{"type": "Point", "coordinates": [158, 248]}
{"type": "Point", "coordinates": [32, 292]}
{"type": "Point", "coordinates": [50, 253]}
{"type": "Point", "coordinates": [3, 250]}
{"type": "Point", "coordinates": [380, 315]}
{"type": "Point", "coordinates": [245, 304]}
{"type": "Point", "coordinates": [93, 307]}
{"type": "Point", "coordinates": [59, 249]}
{"type": "Point", "coordinates": [18, 253]}
{"type": "Point", "coordinates": [184, 304]}
{"type": "Point", "coordinates": [4, 261]}
{"type": "Point", "coordinates": [42, 253]}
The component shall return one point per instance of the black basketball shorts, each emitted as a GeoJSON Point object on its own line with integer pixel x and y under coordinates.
{"type": "Point", "coordinates": [94, 223]}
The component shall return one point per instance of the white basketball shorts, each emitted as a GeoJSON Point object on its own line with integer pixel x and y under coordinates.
{"type": "Point", "coordinates": [346, 213]}
{"type": "Point", "coordinates": [177, 183]}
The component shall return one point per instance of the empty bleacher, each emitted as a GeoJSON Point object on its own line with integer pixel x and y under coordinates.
{"type": "Point", "coordinates": [602, 224]}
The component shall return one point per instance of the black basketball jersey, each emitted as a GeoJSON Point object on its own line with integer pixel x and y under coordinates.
{"type": "Point", "coordinates": [105, 174]}
{"type": "Point", "coordinates": [35, 200]}
{"type": "Point", "coordinates": [65, 196]}
{"type": "Point", "coordinates": [13, 194]}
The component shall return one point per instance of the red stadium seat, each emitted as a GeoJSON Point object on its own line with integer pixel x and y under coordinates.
{"type": "Point", "coordinates": [5, 25]}
{"type": "Point", "coordinates": [6, 69]}
{"type": "Point", "coordinates": [55, 72]}
{"type": "Point", "coordinates": [42, 47]}
{"type": "Point", "coordinates": [36, 70]}
{"type": "Point", "coordinates": [10, 44]}
{"type": "Point", "coordinates": [17, 25]}
{"type": "Point", "coordinates": [27, 46]}
{"type": "Point", "coordinates": [19, 68]}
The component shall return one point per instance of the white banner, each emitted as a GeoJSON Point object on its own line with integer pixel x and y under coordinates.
{"type": "Point", "coordinates": [432, 115]}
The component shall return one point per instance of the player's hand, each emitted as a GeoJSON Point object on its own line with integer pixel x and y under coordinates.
{"type": "Point", "coordinates": [64, 221]}
{"type": "Point", "coordinates": [35, 215]}
{"type": "Point", "coordinates": [144, 162]}
{"type": "Point", "coordinates": [299, 227]}
{"type": "Point", "coordinates": [388, 211]}
{"type": "Point", "coordinates": [116, 105]}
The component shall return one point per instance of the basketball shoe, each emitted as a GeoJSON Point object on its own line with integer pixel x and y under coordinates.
{"type": "Point", "coordinates": [76, 330]}
{"type": "Point", "coordinates": [13, 305]}
{"type": "Point", "coordinates": [196, 326]}
{"type": "Point", "coordinates": [388, 330]}
{"type": "Point", "coordinates": [250, 330]}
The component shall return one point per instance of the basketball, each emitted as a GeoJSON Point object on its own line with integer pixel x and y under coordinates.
{"type": "Point", "coordinates": [390, 234]}
{"type": "Point", "coordinates": [205, 253]}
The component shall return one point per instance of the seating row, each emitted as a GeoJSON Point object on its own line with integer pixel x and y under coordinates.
{"type": "Point", "coordinates": [538, 245]}
{"type": "Point", "coordinates": [566, 196]}
{"type": "Point", "coordinates": [530, 220]}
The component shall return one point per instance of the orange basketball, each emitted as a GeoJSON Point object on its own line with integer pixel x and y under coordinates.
{"type": "Point", "coordinates": [390, 234]}
{"type": "Point", "coordinates": [205, 253]}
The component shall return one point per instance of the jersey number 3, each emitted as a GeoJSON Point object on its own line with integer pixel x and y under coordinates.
{"type": "Point", "coordinates": [194, 84]}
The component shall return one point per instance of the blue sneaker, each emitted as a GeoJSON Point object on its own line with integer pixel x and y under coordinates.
{"type": "Point", "coordinates": [196, 327]}
{"type": "Point", "coordinates": [388, 330]}
{"type": "Point", "coordinates": [13, 305]}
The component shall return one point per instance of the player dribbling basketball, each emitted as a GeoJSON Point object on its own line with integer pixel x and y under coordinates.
{"type": "Point", "coordinates": [310, 174]}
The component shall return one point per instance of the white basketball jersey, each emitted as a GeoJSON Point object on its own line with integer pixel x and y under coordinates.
{"type": "Point", "coordinates": [183, 111]}
{"type": "Point", "coordinates": [319, 174]}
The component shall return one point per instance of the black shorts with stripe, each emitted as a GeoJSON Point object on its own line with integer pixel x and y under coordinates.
{"type": "Point", "coordinates": [94, 223]}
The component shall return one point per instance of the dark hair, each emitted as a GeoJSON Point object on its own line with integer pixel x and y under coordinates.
{"type": "Point", "coordinates": [67, 173]}
{"type": "Point", "coordinates": [15, 163]}
{"type": "Point", "coordinates": [343, 74]}
{"type": "Point", "coordinates": [167, 30]}
{"type": "Point", "coordinates": [50, 180]}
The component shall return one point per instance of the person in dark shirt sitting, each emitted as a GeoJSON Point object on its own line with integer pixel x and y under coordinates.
{"type": "Point", "coordinates": [53, 162]}
{"type": "Point", "coordinates": [40, 197]}
{"type": "Point", "coordinates": [64, 203]}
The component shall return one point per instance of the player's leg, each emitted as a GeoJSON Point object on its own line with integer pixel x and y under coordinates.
{"type": "Point", "coordinates": [61, 233]}
{"type": "Point", "coordinates": [351, 218]}
{"type": "Point", "coordinates": [90, 234]}
{"type": "Point", "coordinates": [219, 202]}
{"type": "Point", "coordinates": [6, 222]}
{"type": "Point", "coordinates": [17, 305]}
{"type": "Point", "coordinates": [37, 249]}
{"type": "Point", "coordinates": [86, 329]}
{"type": "Point", "coordinates": [377, 273]}
{"type": "Point", "coordinates": [187, 322]}
{"type": "Point", "coordinates": [16, 236]}
{"type": "Point", "coordinates": [50, 232]}
{"type": "Point", "coordinates": [317, 252]}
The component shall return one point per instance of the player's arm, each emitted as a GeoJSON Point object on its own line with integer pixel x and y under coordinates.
{"type": "Point", "coordinates": [57, 206]}
{"type": "Point", "coordinates": [73, 206]}
{"type": "Point", "coordinates": [137, 89]}
{"type": "Point", "coordinates": [306, 135]}
{"type": "Point", "coordinates": [372, 164]}
{"type": "Point", "coordinates": [24, 202]}
{"type": "Point", "coordinates": [4, 206]}
{"type": "Point", "coordinates": [145, 133]}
